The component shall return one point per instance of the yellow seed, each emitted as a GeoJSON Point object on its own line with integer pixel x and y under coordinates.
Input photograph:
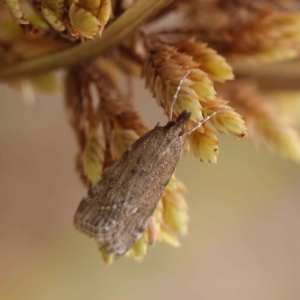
{"type": "Point", "coordinates": [83, 22]}
{"type": "Point", "coordinates": [16, 11]}
{"type": "Point", "coordinates": [53, 19]}
{"type": "Point", "coordinates": [104, 13]}
{"type": "Point", "coordinates": [92, 6]}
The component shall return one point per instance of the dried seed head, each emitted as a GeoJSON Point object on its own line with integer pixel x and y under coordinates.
{"type": "Point", "coordinates": [16, 11]}
{"type": "Point", "coordinates": [122, 126]}
{"type": "Point", "coordinates": [92, 6]}
{"type": "Point", "coordinates": [226, 121]}
{"type": "Point", "coordinates": [54, 19]}
{"type": "Point", "coordinates": [175, 210]}
{"type": "Point", "coordinates": [167, 67]}
{"type": "Point", "coordinates": [105, 12]}
{"type": "Point", "coordinates": [213, 64]}
{"type": "Point", "coordinates": [288, 102]}
{"type": "Point", "coordinates": [88, 18]}
{"type": "Point", "coordinates": [56, 6]}
{"type": "Point", "coordinates": [248, 31]}
{"type": "Point", "coordinates": [93, 154]}
{"type": "Point", "coordinates": [163, 72]}
{"type": "Point", "coordinates": [266, 123]}
{"type": "Point", "coordinates": [270, 37]}
{"type": "Point", "coordinates": [120, 141]}
{"type": "Point", "coordinates": [203, 145]}
{"type": "Point", "coordinates": [83, 22]}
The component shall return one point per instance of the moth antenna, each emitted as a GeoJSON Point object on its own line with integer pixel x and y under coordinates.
{"type": "Point", "coordinates": [203, 121]}
{"type": "Point", "coordinates": [176, 94]}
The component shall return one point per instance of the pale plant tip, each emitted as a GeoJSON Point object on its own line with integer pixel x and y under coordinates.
{"type": "Point", "coordinates": [53, 19]}
{"type": "Point", "coordinates": [153, 230]}
{"type": "Point", "coordinates": [87, 19]}
{"type": "Point", "coordinates": [175, 212]}
{"type": "Point", "coordinates": [16, 11]}
{"type": "Point", "coordinates": [177, 219]}
{"type": "Point", "coordinates": [28, 92]}
{"type": "Point", "coordinates": [107, 258]}
{"type": "Point", "coordinates": [226, 121]}
{"type": "Point", "coordinates": [91, 5]}
{"type": "Point", "coordinates": [168, 237]}
{"type": "Point", "coordinates": [93, 156]}
{"type": "Point", "coordinates": [139, 250]}
{"type": "Point", "coordinates": [83, 22]}
{"type": "Point", "coordinates": [294, 154]}
{"type": "Point", "coordinates": [120, 141]}
{"type": "Point", "coordinates": [288, 102]}
{"type": "Point", "coordinates": [285, 142]}
{"type": "Point", "coordinates": [241, 135]}
{"type": "Point", "coordinates": [164, 70]}
{"type": "Point", "coordinates": [46, 83]}
{"type": "Point", "coordinates": [57, 6]}
{"type": "Point", "coordinates": [101, 28]}
{"type": "Point", "coordinates": [266, 123]}
{"type": "Point", "coordinates": [105, 12]}
{"type": "Point", "coordinates": [213, 64]}
{"type": "Point", "coordinates": [204, 146]}
{"type": "Point", "coordinates": [269, 37]}
{"type": "Point", "coordinates": [166, 75]}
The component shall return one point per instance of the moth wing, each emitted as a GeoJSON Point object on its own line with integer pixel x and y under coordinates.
{"type": "Point", "coordinates": [139, 201]}
{"type": "Point", "coordinates": [99, 209]}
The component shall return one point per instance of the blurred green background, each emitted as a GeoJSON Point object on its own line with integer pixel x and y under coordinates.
{"type": "Point", "coordinates": [243, 240]}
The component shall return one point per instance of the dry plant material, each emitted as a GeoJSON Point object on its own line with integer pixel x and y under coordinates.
{"type": "Point", "coordinates": [118, 126]}
{"type": "Point", "coordinates": [274, 37]}
{"type": "Point", "coordinates": [199, 66]}
{"type": "Point", "coordinates": [16, 11]}
{"type": "Point", "coordinates": [79, 19]}
{"type": "Point", "coordinates": [266, 123]}
{"type": "Point", "coordinates": [120, 204]}
{"type": "Point", "coordinates": [243, 30]}
{"type": "Point", "coordinates": [192, 50]}
{"type": "Point", "coordinates": [88, 18]}
{"type": "Point", "coordinates": [288, 103]}
{"type": "Point", "coordinates": [53, 19]}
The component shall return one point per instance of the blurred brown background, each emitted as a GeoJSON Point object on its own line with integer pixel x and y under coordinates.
{"type": "Point", "coordinates": [243, 238]}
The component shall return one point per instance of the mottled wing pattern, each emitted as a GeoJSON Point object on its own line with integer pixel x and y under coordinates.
{"type": "Point", "coordinates": [104, 193]}
{"type": "Point", "coordinates": [140, 200]}
{"type": "Point", "coordinates": [120, 204]}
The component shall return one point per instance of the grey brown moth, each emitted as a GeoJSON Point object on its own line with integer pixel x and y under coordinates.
{"type": "Point", "coordinates": [118, 206]}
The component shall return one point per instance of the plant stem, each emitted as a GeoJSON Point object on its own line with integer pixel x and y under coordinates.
{"type": "Point", "coordinates": [125, 25]}
{"type": "Point", "coordinates": [281, 75]}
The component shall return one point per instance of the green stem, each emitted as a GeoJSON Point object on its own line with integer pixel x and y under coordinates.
{"type": "Point", "coordinates": [125, 25]}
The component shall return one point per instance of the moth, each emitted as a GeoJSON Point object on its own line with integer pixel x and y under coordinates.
{"type": "Point", "coordinates": [118, 207]}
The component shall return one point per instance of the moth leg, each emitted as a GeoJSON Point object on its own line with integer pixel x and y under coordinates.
{"type": "Point", "coordinates": [174, 98]}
